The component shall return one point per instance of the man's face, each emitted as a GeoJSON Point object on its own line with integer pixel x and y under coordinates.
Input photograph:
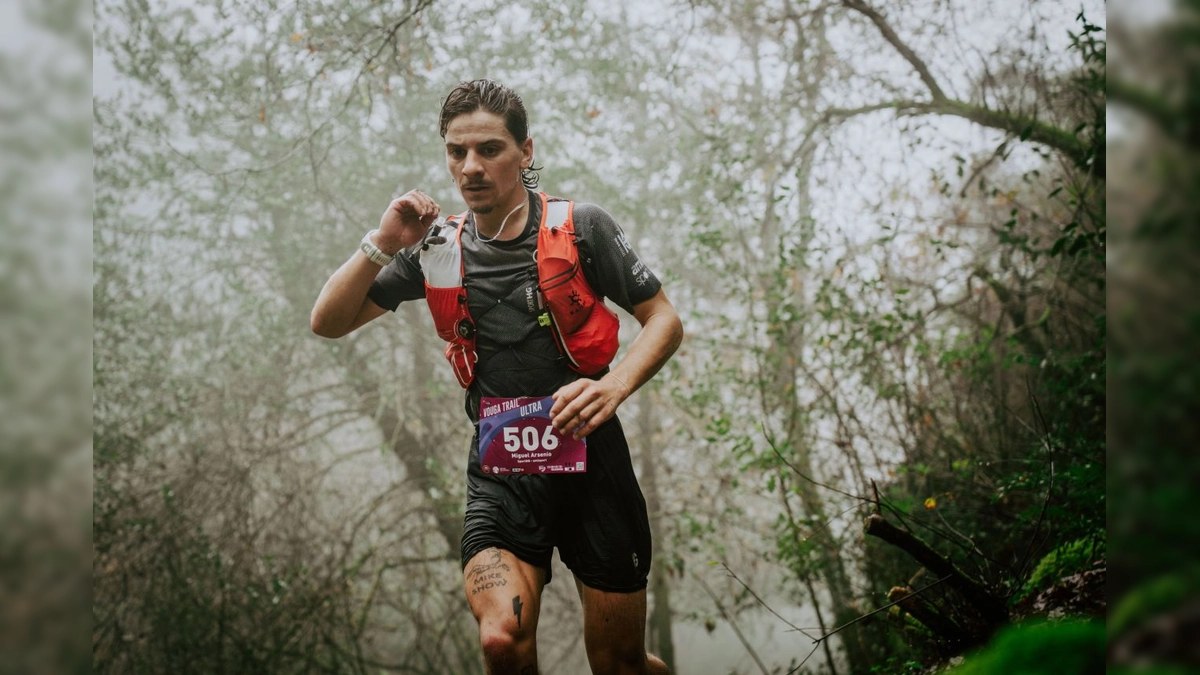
{"type": "Point", "coordinates": [486, 161]}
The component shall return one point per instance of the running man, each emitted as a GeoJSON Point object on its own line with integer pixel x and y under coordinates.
{"type": "Point", "coordinates": [514, 331]}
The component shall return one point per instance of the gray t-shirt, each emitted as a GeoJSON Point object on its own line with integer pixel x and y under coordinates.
{"type": "Point", "coordinates": [518, 357]}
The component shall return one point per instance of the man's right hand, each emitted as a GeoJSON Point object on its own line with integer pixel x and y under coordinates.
{"type": "Point", "coordinates": [405, 221]}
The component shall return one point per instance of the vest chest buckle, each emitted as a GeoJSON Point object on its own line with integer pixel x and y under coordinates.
{"type": "Point", "coordinates": [465, 329]}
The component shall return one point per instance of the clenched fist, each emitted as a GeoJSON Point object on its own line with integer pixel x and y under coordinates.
{"type": "Point", "coordinates": [405, 221]}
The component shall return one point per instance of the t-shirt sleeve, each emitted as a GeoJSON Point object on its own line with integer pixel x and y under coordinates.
{"type": "Point", "coordinates": [610, 264]}
{"type": "Point", "coordinates": [399, 280]}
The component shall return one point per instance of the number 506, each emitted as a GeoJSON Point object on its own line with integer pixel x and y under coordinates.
{"type": "Point", "coordinates": [529, 439]}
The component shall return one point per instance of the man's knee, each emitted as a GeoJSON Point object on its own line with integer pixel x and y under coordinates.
{"type": "Point", "coordinates": [498, 645]}
{"type": "Point", "coordinates": [504, 643]}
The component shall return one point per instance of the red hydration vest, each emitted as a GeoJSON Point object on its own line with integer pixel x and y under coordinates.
{"type": "Point", "coordinates": [584, 328]}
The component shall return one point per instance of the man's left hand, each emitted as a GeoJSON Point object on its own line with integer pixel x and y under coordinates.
{"type": "Point", "coordinates": [582, 406]}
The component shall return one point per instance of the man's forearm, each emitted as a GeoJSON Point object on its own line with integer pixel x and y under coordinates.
{"type": "Point", "coordinates": [341, 300]}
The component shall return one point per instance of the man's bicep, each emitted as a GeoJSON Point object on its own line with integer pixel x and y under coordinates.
{"type": "Point", "coordinates": [656, 305]}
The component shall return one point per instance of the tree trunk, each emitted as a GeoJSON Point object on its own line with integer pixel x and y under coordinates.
{"type": "Point", "coordinates": [658, 637]}
{"type": "Point", "coordinates": [783, 364]}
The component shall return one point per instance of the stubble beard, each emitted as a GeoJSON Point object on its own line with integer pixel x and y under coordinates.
{"type": "Point", "coordinates": [485, 209]}
{"type": "Point", "coordinates": [482, 209]}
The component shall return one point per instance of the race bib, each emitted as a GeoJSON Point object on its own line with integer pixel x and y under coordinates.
{"type": "Point", "coordinates": [515, 436]}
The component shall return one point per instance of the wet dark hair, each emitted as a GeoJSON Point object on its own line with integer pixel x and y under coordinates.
{"type": "Point", "coordinates": [497, 99]}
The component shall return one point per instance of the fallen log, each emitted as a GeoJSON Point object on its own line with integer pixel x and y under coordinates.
{"type": "Point", "coordinates": [990, 608]}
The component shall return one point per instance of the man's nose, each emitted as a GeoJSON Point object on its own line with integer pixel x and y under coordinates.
{"type": "Point", "coordinates": [472, 165]}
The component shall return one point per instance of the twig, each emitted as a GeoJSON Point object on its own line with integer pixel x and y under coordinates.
{"type": "Point", "coordinates": [905, 519]}
{"type": "Point", "coordinates": [866, 616]}
{"type": "Point", "coordinates": [806, 658]}
{"type": "Point", "coordinates": [1025, 559]}
{"type": "Point", "coordinates": [880, 609]}
{"type": "Point", "coordinates": [829, 523]}
{"type": "Point", "coordinates": [903, 48]}
{"type": "Point", "coordinates": [760, 600]}
{"type": "Point", "coordinates": [973, 548]}
{"type": "Point", "coordinates": [737, 631]}
{"type": "Point", "coordinates": [775, 449]}
{"type": "Point", "coordinates": [982, 167]}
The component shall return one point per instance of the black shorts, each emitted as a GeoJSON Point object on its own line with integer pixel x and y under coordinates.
{"type": "Point", "coordinates": [597, 519]}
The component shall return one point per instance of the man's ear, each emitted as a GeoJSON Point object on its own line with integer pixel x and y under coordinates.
{"type": "Point", "coordinates": [527, 151]}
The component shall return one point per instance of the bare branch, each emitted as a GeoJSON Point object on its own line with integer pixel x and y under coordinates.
{"type": "Point", "coordinates": [1025, 560]}
{"type": "Point", "coordinates": [771, 442]}
{"type": "Point", "coordinates": [732, 624]}
{"type": "Point", "coordinates": [865, 616]}
{"type": "Point", "coordinates": [907, 52]}
{"type": "Point", "coordinates": [760, 600]}
{"type": "Point", "coordinates": [1025, 126]}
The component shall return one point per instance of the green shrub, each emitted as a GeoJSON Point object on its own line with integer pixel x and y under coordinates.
{"type": "Point", "coordinates": [1070, 558]}
{"type": "Point", "coordinates": [1051, 648]}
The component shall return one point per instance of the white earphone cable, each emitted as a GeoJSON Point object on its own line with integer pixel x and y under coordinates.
{"type": "Point", "coordinates": [504, 222]}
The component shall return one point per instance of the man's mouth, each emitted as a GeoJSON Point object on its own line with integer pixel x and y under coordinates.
{"type": "Point", "coordinates": [474, 188]}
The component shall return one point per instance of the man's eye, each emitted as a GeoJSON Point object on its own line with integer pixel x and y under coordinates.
{"type": "Point", "coordinates": [489, 151]}
{"type": "Point", "coordinates": [458, 153]}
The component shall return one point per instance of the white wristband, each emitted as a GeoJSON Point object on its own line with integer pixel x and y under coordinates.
{"type": "Point", "coordinates": [372, 251]}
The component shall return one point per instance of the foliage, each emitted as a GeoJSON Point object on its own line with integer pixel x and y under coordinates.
{"type": "Point", "coordinates": [1028, 464]}
{"type": "Point", "coordinates": [1066, 559]}
{"type": "Point", "coordinates": [1044, 648]}
{"type": "Point", "coordinates": [976, 351]}
{"type": "Point", "coordinates": [198, 612]}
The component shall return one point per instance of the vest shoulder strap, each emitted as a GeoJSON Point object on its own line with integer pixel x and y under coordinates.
{"type": "Point", "coordinates": [557, 213]}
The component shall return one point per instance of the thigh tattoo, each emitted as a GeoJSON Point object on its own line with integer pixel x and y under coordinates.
{"type": "Point", "coordinates": [488, 574]}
